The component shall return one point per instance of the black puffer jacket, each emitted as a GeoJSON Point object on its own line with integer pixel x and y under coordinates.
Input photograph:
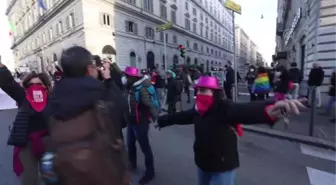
{"type": "Point", "coordinates": [27, 119]}
{"type": "Point", "coordinates": [316, 77]}
{"type": "Point", "coordinates": [215, 143]}
{"type": "Point", "coordinates": [140, 112]}
{"type": "Point", "coordinates": [295, 75]}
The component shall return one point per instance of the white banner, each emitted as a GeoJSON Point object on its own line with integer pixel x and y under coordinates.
{"type": "Point", "coordinates": [6, 102]}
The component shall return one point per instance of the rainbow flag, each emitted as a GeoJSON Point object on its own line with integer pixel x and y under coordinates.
{"type": "Point", "coordinates": [261, 84]}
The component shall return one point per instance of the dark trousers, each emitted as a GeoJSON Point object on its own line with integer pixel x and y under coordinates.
{"type": "Point", "coordinates": [253, 96]}
{"type": "Point", "coordinates": [187, 91]}
{"type": "Point", "coordinates": [172, 107]}
{"type": "Point", "coordinates": [228, 91]}
{"type": "Point", "coordinates": [139, 132]}
{"type": "Point", "coordinates": [261, 97]}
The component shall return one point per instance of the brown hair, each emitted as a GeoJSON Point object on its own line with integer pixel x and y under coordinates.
{"type": "Point", "coordinates": [42, 76]}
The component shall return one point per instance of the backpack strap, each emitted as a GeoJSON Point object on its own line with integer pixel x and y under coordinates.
{"type": "Point", "coordinates": [137, 98]}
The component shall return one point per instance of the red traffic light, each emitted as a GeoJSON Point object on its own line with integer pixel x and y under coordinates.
{"type": "Point", "coordinates": [181, 46]}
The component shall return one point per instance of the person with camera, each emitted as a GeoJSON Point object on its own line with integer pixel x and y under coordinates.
{"type": "Point", "coordinates": [86, 122]}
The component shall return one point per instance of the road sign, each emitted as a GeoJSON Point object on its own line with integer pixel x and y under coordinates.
{"type": "Point", "coordinates": [233, 6]}
{"type": "Point", "coordinates": [163, 27]}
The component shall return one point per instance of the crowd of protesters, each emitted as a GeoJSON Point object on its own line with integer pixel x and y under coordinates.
{"type": "Point", "coordinates": [70, 132]}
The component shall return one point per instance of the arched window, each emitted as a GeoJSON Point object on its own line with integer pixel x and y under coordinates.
{"type": "Point", "coordinates": [188, 60]}
{"type": "Point", "coordinates": [195, 61]}
{"type": "Point", "coordinates": [163, 62]}
{"type": "Point", "coordinates": [132, 59]}
{"type": "Point", "coordinates": [175, 59]}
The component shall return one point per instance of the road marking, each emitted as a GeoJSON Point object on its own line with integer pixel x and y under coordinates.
{"type": "Point", "coordinates": [318, 152]}
{"type": "Point", "coordinates": [318, 177]}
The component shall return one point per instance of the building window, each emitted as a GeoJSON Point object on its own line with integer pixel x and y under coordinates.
{"type": "Point", "coordinates": [212, 51]}
{"type": "Point", "coordinates": [207, 50]}
{"type": "Point", "coordinates": [166, 37]}
{"type": "Point", "coordinates": [186, 5]}
{"type": "Point", "coordinates": [51, 36]}
{"type": "Point", "coordinates": [149, 33]}
{"type": "Point", "coordinates": [202, 49]}
{"type": "Point", "coordinates": [195, 46]}
{"type": "Point", "coordinates": [174, 39]}
{"type": "Point", "coordinates": [133, 59]}
{"type": "Point", "coordinates": [173, 16]}
{"type": "Point", "coordinates": [161, 36]}
{"type": "Point", "coordinates": [131, 27]}
{"type": "Point", "coordinates": [187, 24]}
{"type": "Point", "coordinates": [211, 36]}
{"type": "Point", "coordinates": [163, 11]}
{"type": "Point", "coordinates": [148, 5]}
{"type": "Point", "coordinates": [71, 20]}
{"type": "Point", "coordinates": [201, 16]}
{"type": "Point", "coordinates": [59, 28]}
{"type": "Point", "coordinates": [187, 44]}
{"type": "Point", "coordinates": [106, 19]}
{"type": "Point", "coordinates": [44, 39]}
{"type": "Point", "coordinates": [206, 33]}
{"type": "Point", "coordinates": [201, 31]}
{"type": "Point", "coordinates": [194, 12]}
{"type": "Point", "coordinates": [206, 20]}
{"type": "Point", "coordinates": [194, 27]}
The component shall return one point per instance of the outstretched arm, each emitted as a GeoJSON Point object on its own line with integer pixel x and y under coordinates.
{"type": "Point", "coordinates": [181, 118]}
{"type": "Point", "coordinates": [10, 86]}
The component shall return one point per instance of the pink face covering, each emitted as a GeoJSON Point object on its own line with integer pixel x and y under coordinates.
{"type": "Point", "coordinates": [203, 103]}
{"type": "Point", "coordinates": [37, 97]}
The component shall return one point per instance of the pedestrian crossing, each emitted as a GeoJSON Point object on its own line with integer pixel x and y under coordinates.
{"type": "Point", "coordinates": [317, 176]}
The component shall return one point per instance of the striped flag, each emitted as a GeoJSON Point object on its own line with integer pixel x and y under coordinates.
{"type": "Point", "coordinates": [12, 28]}
{"type": "Point", "coordinates": [41, 4]}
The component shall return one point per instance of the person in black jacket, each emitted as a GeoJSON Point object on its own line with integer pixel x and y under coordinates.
{"type": "Point", "coordinates": [229, 81]}
{"type": "Point", "coordinates": [173, 91]}
{"type": "Point", "coordinates": [250, 77]}
{"type": "Point", "coordinates": [331, 94]}
{"type": "Point", "coordinates": [315, 81]}
{"type": "Point", "coordinates": [215, 146]}
{"type": "Point", "coordinates": [295, 76]}
{"type": "Point", "coordinates": [29, 134]}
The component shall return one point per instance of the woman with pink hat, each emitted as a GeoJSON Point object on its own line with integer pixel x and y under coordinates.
{"type": "Point", "coordinates": [215, 146]}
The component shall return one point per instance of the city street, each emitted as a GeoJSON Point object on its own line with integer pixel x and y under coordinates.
{"type": "Point", "coordinates": [264, 160]}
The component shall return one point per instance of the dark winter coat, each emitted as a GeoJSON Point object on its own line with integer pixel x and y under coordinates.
{"type": "Point", "coordinates": [282, 85]}
{"type": "Point", "coordinates": [27, 119]}
{"type": "Point", "coordinates": [316, 77]}
{"type": "Point", "coordinates": [215, 146]}
{"type": "Point", "coordinates": [229, 77]}
{"type": "Point", "coordinates": [332, 85]}
{"type": "Point", "coordinates": [73, 96]}
{"type": "Point", "coordinates": [173, 90]}
{"type": "Point", "coordinates": [145, 109]}
{"type": "Point", "coordinates": [295, 75]}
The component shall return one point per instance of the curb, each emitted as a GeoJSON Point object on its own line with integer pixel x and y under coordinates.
{"type": "Point", "coordinates": [313, 141]}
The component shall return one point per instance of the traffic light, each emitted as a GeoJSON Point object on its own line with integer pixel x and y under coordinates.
{"type": "Point", "coordinates": [182, 51]}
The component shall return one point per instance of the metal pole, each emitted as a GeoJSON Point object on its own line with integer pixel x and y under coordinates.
{"type": "Point", "coordinates": [312, 111]}
{"type": "Point", "coordinates": [165, 50]}
{"type": "Point", "coordinates": [234, 59]}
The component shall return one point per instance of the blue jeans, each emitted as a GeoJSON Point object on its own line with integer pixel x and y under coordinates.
{"type": "Point", "coordinates": [216, 178]}
{"type": "Point", "coordinates": [139, 132]}
{"type": "Point", "coordinates": [331, 102]}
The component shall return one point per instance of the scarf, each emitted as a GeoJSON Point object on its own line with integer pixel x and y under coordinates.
{"type": "Point", "coordinates": [203, 103]}
{"type": "Point", "coordinates": [37, 97]}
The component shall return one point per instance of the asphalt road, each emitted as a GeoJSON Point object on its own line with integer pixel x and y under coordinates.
{"type": "Point", "coordinates": [264, 161]}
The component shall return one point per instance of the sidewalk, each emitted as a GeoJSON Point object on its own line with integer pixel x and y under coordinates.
{"type": "Point", "coordinates": [298, 128]}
